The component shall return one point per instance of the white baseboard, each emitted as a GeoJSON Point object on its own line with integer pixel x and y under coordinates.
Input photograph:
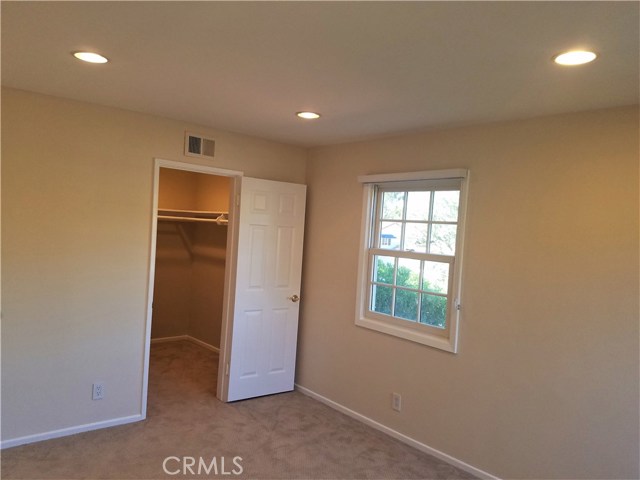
{"type": "Point", "coordinates": [203, 344]}
{"type": "Point", "coordinates": [177, 338]}
{"type": "Point", "coordinates": [188, 338]}
{"type": "Point", "coordinates": [63, 432]}
{"type": "Point", "coordinates": [397, 435]}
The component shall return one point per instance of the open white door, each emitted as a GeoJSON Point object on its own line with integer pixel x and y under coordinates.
{"type": "Point", "coordinates": [267, 290]}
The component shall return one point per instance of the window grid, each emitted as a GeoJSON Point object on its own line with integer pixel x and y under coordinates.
{"type": "Point", "coordinates": [421, 293]}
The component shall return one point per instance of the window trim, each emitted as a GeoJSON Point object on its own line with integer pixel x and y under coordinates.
{"type": "Point", "coordinates": [412, 331]}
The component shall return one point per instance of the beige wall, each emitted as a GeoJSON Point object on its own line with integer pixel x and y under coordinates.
{"type": "Point", "coordinates": [188, 290]}
{"type": "Point", "coordinates": [545, 384]}
{"type": "Point", "coordinates": [183, 190]}
{"type": "Point", "coordinates": [172, 282]}
{"type": "Point", "coordinates": [207, 283]}
{"type": "Point", "coordinates": [212, 193]}
{"type": "Point", "coordinates": [76, 220]}
{"type": "Point", "coordinates": [177, 189]}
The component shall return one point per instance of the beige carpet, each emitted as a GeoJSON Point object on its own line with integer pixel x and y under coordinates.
{"type": "Point", "coordinates": [280, 436]}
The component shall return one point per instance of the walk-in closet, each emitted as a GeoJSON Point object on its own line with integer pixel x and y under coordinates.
{"type": "Point", "coordinates": [190, 263]}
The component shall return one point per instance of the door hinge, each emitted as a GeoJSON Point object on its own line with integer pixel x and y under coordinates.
{"type": "Point", "coordinates": [458, 305]}
{"type": "Point", "coordinates": [237, 200]}
{"type": "Point", "coordinates": [226, 369]}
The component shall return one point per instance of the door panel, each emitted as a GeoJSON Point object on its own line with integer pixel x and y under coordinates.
{"type": "Point", "coordinates": [283, 256]}
{"type": "Point", "coordinates": [249, 328]}
{"type": "Point", "coordinates": [265, 325]}
{"type": "Point", "coordinates": [278, 340]}
{"type": "Point", "coordinates": [257, 257]}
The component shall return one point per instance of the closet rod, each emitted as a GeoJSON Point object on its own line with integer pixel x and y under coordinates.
{"type": "Point", "coordinates": [169, 211]}
{"type": "Point", "coordinates": [219, 221]}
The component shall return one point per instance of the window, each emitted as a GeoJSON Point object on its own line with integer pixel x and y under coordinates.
{"type": "Point", "coordinates": [411, 255]}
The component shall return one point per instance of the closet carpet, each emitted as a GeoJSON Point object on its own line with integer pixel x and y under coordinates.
{"type": "Point", "coordinates": [281, 436]}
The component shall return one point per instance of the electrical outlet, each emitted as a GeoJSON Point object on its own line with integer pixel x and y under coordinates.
{"type": "Point", "coordinates": [396, 401]}
{"type": "Point", "coordinates": [98, 391]}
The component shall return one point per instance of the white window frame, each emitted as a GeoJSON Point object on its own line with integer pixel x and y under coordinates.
{"type": "Point", "coordinates": [443, 339]}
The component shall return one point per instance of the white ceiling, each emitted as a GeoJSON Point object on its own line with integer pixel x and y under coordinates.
{"type": "Point", "coordinates": [370, 68]}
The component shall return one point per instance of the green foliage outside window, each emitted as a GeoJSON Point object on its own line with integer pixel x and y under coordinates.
{"type": "Point", "coordinates": [433, 308]}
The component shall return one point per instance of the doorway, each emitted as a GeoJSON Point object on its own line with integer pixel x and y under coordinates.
{"type": "Point", "coordinates": [262, 276]}
{"type": "Point", "coordinates": [192, 260]}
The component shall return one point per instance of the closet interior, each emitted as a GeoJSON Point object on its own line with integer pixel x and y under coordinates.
{"type": "Point", "coordinates": [190, 257]}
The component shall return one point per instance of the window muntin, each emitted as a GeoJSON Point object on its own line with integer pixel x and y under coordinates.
{"type": "Point", "coordinates": [411, 255]}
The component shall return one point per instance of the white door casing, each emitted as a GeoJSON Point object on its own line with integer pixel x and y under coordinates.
{"type": "Point", "coordinates": [267, 289]}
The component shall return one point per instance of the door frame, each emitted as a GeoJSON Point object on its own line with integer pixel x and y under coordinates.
{"type": "Point", "coordinates": [229, 273]}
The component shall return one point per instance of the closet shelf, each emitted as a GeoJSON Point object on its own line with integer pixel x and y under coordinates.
{"type": "Point", "coordinates": [171, 215]}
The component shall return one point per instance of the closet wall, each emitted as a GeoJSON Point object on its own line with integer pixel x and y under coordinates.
{"type": "Point", "coordinates": [190, 258]}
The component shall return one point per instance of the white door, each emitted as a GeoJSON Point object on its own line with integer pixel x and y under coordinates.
{"type": "Point", "coordinates": [267, 291]}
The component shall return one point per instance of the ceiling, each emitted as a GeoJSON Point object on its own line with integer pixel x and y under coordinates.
{"type": "Point", "coordinates": [370, 68]}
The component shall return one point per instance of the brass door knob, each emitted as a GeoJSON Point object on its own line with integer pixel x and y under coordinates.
{"type": "Point", "coordinates": [294, 298]}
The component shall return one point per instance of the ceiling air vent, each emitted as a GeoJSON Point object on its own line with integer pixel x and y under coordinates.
{"type": "Point", "coordinates": [198, 146]}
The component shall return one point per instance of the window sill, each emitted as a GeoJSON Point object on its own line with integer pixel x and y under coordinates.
{"type": "Point", "coordinates": [409, 333]}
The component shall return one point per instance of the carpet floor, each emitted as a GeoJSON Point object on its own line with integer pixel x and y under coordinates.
{"type": "Point", "coordinates": [288, 436]}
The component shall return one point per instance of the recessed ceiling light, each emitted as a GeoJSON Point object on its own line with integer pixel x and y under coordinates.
{"type": "Point", "coordinates": [308, 115]}
{"type": "Point", "coordinates": [90, 57]}
{"type": "Point", "coordinates": [575, 57]}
